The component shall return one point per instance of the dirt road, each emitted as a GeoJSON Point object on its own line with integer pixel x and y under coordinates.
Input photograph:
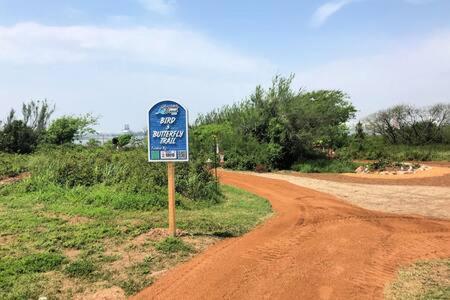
{"type": "Point", "coordinates": [315, 247]}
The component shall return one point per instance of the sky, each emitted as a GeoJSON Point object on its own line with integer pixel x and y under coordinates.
{"type": "Point", "coordinates": [115, 59]}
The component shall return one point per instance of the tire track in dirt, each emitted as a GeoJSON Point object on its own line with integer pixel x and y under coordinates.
{"type": "Point", "coordinates": [315, 247]}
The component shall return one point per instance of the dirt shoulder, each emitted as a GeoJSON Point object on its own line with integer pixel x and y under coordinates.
{"type": "Point", "coordinates": [432, 201]}
{"type": "Point", "coordinates": [315, 247]}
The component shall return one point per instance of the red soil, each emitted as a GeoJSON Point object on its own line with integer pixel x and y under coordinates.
{"type": "Point", "coordinates": [315, 247]}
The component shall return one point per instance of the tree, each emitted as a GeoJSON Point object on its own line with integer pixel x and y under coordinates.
{"type": "Point", "coordinates": [406, 124]}
{"type": "Point", "coordinates": [123, 140]}
{"type": "Point", "coordinates": [286, 125]}
{"type": "Point", "coordinates": [17, 137]}
{"type": "Point", "coordinates": [36, 114]}
{"type": "Point", "coordinates": [68, 128]}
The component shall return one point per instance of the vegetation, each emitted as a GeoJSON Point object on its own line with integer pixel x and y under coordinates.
{"type": "Point", "coordinates": [409, 125]}
{"type": "Point", "coordinates": [422, 280]}
{"type": "Point", "coordinates": [65, 129]}
{"type": "Point", "coordinates": [277, 127]}
{"type": "Point", "coordinates": [60, 239]}
{"type": "Point", "coordinates": [375, 147]}
{"type": "Point", "coordinates": [12, 164]}
{"type": "Point", "coordinates": [325, 166]}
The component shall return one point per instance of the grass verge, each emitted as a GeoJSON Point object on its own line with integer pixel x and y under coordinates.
{"type": "Point", "coordinates": [325, 166]}
{"type": "Point", "coordinates": [423, 280]}
{"type": "Point", "coordinates": [64, 243]}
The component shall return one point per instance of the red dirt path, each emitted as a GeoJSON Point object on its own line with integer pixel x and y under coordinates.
{"type": "Point", "coordinates": [315, 247]}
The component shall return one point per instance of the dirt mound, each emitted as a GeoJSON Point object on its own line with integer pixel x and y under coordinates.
{"type": "Point", "coordinates": [316, 247]}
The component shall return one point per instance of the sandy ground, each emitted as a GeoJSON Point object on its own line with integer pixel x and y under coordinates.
{"type": "Point", "coordinates": [315, 247]}
{"type": "Point", "coordinates": [433, 201]}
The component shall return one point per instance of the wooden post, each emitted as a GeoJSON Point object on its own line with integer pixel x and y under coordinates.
{"type": "Point", "coordinates": [171, 185]}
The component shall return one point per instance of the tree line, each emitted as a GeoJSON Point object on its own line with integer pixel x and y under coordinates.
{"type": "Point", "coordinates": [410, 125]}
{"type": "Point", "coordinates": [23, 134]}
{"type": "Point", "coordinates": [277, 127]}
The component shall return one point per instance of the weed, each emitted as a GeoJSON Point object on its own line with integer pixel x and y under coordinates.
{"type": "Point", "coordinates": [82, 268]}
{"type": "Point", "coordinates": [173, 245]}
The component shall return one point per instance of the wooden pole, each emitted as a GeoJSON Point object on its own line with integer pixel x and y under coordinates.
{"type": "Point", "coordinates": [171, 185]}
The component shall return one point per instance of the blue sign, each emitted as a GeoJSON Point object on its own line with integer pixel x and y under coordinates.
{"type": "Point", "coordinates": [168, 137]}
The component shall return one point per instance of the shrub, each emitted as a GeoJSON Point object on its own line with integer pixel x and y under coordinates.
{"type": "Point", "coordinates": [17, 137]}
{"type": "Point", "coordinates": [12, 164]}
{"type": "Point", "coordinates": [126, 171]}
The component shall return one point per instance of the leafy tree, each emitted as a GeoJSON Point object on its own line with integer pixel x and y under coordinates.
{"type": "Point", "coordinates": [406, 124]}
{"type": "Point", "coordinates": [280, 126]}
{"type": "Point", "coordinates": [124, 139]}
{"type": "Point", "coordinates": [68, 128]}
{"type": "Point", "coordinates": [17, 137]}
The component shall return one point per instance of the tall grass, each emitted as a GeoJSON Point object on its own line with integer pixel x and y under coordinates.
{"type": "Point", "coordinates": [12, 164]}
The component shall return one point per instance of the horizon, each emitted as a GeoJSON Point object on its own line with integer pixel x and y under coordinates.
{"type": "Point", "coordinates": [115, 60]}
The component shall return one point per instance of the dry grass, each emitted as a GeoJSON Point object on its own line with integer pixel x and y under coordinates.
{"type": "Point", "coordinates": [422, 280]}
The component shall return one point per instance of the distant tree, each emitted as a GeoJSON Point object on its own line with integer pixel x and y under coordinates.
{"type": "Point", "coordinates": [17, 137]}
{"type": "Point", "coordinates": [93, 143]}
{"type": "Point", "coordinates": [360, 134]}
{"type": "Point", "coordinates": [36, 114]}
{"type": "Point", "coordinates": [406, 124]}
{"type": "Point", "coordinates": [68, 128]}
{"type": "Point", "coordinates": [123, 140]}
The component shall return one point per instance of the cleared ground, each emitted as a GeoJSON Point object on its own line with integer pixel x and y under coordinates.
{"type": "Point", "coordinates": [315, 247]}
{"type": "Point", "coordinates": [401, 197]}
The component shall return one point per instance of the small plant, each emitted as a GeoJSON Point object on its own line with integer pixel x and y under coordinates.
{"type": "Point", "coordinates": [173, 245]}
{"type": "Point", "coordinates": [80, 268]}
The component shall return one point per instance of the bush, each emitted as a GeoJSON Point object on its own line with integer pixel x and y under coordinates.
{"type": "Point", "coordinates": [12, 164]}
{"type": "Point", "coordinates": [126, 171]}
{"type": "Point", "coordinates": [17, 137]}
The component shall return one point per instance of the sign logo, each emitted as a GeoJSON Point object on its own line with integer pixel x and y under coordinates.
{"type": "Point", "coordinates": [168, 138]}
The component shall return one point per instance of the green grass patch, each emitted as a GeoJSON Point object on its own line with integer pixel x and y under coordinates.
{"type": "Point", "coordinates": [424, 280]}
{"type": "Point", "coordinates": [82, 268]}
{"type": "Point", "coordinates": [40, 227]}
{"type": "Point", "coordinates": [325, 166]}
{"type": "Point", "coordinates": [173, 245]}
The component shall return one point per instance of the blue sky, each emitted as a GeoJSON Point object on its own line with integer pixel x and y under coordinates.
{"type": "Point", "coordinates": [116, 58]}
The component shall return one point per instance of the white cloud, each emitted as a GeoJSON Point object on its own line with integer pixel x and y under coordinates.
{"type": "Point", "coordinates": [162, 7]}
{"type": "Point", "coordinates": [32, 43]}
{"type": "Point", "coordinates": [326, 10]}
{"type": "Point", "coordinates": [415, 72]}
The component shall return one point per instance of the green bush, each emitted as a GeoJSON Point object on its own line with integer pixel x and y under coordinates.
{"type": "Point", "coordinates": [12, 164]}
{"type": "Point", "coordinates": [125, 171]}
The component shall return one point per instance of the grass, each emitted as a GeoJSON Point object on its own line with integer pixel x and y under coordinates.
{"type": "Point", "coordinates": [12, 164]}
{"type": "Point", "coordinates": [375, 148]}
{"type": "Point", "coordinates": [325, 166]}
{"type": "Point", "coordinates": [61, 242]}
{"type": "Point", "coordinates": [424, 280]}
{"type": "Point", "coordinates": [173, 245]}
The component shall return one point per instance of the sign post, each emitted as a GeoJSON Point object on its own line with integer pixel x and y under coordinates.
{"type": "Point", "coordinates": [168, 141]}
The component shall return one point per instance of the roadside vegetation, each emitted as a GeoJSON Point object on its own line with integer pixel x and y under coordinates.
{"type": "Point", "coordinates": [89, 218]}
{"type": "Point", "coordinates": [307, 131]}
{"type": "Point", "coordinates": [423, 280]}
{"type": "Point", "coordinates": [64, 238]}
